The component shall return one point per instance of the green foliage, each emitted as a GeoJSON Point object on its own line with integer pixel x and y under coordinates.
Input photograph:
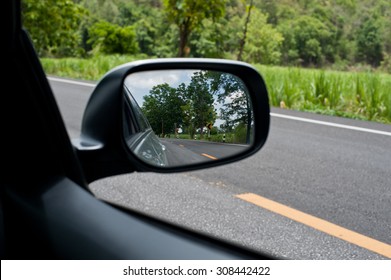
{"type": "Point", "coordinates": [208, 40]}
{"type": "Point", "coordinates": [106, 10]}
{"type": "Point", "coordinates": [199, 108]}
{"type": "Point", "coordinates": [240, 134]}
{"type": "Point", "coordinates": [109, 38]}
{"type": "Point", "coordinates": [372, 100]}
{"type": "Point", "coordinates": [369, 42]}
{"type": "Point", "coordinates": [54, 26]}
{"type": "Point", "coordinates": [231, 32]}
{"type": "Point", "coordinates": [309, 37]}
{"type": "Point", "coordinates": [154, 35]}
{"type": "Point", "coordinates": [321, 88]}
{"type": "Point", "coordinates": [230, 92]}
{"type": "Point", "coordinates": [386, 63]}
{"type": "Point", "coordinates": [350, 94]}
{"type": "Point", "coordinates": [350, 35]}
{"type": "Point", "coordinates": [353, 95]}
{"type": "Point", "coordinates": [339, 34]}
{"type": "Point", "coordinates": [91, 69]}
{"type": "Point", "coordinates": [188, 15]}
{"type": "Point", "coordinates": [269, 7]}
{"type": "Point", "coordinates": [263, 41]}
{"type": "Point", "coordinates": [187, 106]}
{"type": "Point", "coordinates": [162, 107]}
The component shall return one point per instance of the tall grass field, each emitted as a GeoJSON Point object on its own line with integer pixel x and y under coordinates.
{"type": "Point", "coordinates": [359, 95]}
{"type": "Point", "coordinates": [364, 96]}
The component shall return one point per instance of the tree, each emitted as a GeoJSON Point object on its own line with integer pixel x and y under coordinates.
{"type": "Point", "coordinates": [308, 38]}
{"type": "Point", "coordinates": [369, 42]}
{"type": "Point", "coordinates": [110, 38]}
{"type": "Point", "coordinates": [209, 40]}
{"type": "Point", "coordinates": [270, 8]}
{"type": "Point", "coordinates": [263, 41]}
{"type": "Point", "coordinates": [235, 106]}
{"type": "Point", "coordinates": [163, 108]}
{"type": "Point", "coordinates": [243, 39]}
{"type": "Point", "coordinates": [189, 14]}
{"type": "Point", "coordinates": [54, 26]}
{"type": "Point", "coordinates": [199, 102]}
{"type": "Point", "coordinates": [189, 105]}
{"type": "Point", "coordinates": [152, 30]}
{"type": "Point", "coordinates": [106, 10]}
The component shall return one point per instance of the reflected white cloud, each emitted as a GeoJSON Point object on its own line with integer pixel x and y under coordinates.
{"type": "Point", "coordinates": [141, 83]}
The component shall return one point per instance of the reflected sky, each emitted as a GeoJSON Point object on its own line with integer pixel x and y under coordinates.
{"type": "Point", "coordinates": [141, 83]}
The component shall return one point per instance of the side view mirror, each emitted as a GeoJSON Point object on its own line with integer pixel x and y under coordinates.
{"type": "Point", "coordinates": [180, 117]}
{"type": "Point", "coordinates": [170, 115]}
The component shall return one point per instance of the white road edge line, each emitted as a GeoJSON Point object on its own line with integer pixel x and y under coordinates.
{"type": "Point", "coordinates": [71, 82]}
{"type": "Point", "coordinates": [271, 114]}
{"type": "Point", "coordinates": [331, 124]}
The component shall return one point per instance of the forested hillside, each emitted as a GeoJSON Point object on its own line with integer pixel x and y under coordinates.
{"type": "Point", "coordinates": [338, 34]}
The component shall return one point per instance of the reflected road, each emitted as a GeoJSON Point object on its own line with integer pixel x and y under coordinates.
{"type": "Point", "coordinates": [181, 151]}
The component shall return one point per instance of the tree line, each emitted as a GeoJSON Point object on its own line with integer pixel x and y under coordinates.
{"type": "Point", "coordinates": [198, 104]}
{"type": "Point", "coordinates": [310, 33]}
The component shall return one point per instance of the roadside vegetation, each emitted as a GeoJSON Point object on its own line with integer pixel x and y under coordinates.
{"type": "Point", "coordinates": [358, 95]}
{"type": "Point", "coordinates": [330, 57]}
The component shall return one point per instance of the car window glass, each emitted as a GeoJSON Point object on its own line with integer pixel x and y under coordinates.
{"type": "Point", "coordinates": [139, 119]}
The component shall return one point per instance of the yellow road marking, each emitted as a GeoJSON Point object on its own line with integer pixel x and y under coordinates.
{"type": "Point", "coordinates": [209, 156]}
{"type": "Point", "coordinates": [180, 145]}
{"type": "Point", "coordinates": [319, 224]}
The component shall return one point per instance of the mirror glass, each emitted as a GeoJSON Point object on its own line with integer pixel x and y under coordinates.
{"type": "Point", "coordinates": [182, 117]}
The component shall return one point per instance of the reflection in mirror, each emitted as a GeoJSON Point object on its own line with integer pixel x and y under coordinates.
{"type": "Point", "coordinates": [182, 117]}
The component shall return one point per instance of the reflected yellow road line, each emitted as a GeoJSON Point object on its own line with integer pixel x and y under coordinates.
{"type": "Point", "coordinates": [209, 156]}
{"type": "Point", "coordinates": [319, 224]}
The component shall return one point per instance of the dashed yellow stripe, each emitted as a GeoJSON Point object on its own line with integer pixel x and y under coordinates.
{"type": "Point", "coordinates": [319, 224]}
{"type": "Point", "coordinates": [209, 156]}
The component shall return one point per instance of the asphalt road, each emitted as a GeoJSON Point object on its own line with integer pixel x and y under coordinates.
{"type": "Point", "coordinates": [319, 189]}
{"type": "Point", "coordinates": [184, 152]}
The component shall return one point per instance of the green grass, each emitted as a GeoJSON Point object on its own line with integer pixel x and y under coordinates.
{"type": "Point", "coordinates": [358, 95]}
{"type": "Point", "coordinates": [365, 96]}
{"type": "Point", "coordinates": [91, 69]}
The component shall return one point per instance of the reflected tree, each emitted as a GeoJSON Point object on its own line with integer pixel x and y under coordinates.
{"type": "Point", "coordinates": [162, 107]}
{"type": "Point", "coordinates": [235, 107]}
{"type": "Point", "coordinates": [193, 105]}
{"type": "Point", "coordinates": [199, 108]}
